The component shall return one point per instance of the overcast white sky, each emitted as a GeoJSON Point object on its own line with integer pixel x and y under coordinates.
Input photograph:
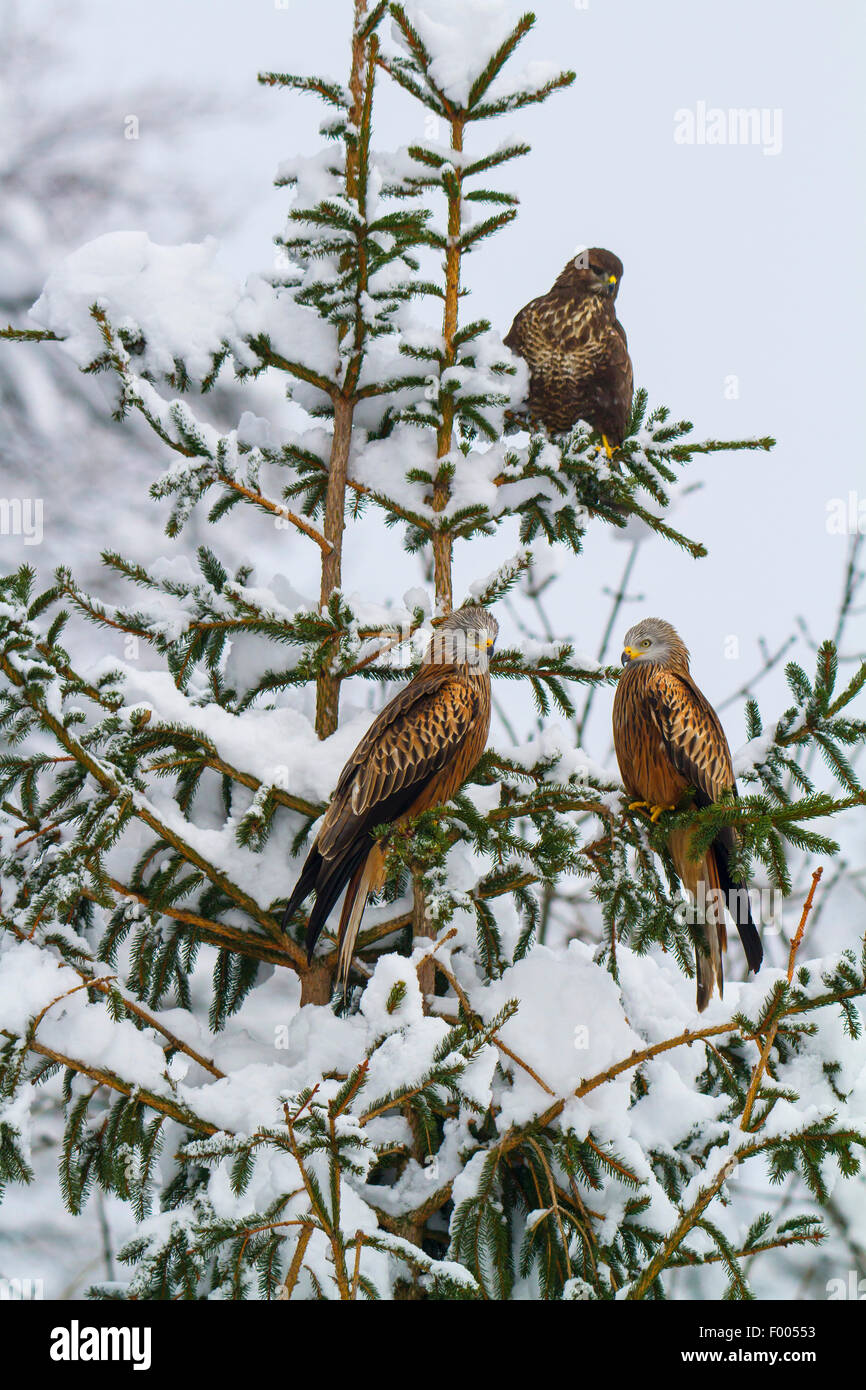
{"type": "Point", "coordinates": [736, 262]}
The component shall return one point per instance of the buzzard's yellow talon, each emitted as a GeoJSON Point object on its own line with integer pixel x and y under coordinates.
{"type": "Point", "coordinates": [637, 805]}
{"type": "Point", "coordinates": [607, 449]}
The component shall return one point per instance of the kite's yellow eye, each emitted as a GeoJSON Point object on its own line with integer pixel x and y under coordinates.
{"type": "Point", "coordinates": [646, 642]}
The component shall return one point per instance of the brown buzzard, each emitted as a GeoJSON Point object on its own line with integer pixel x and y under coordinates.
{"type": "Point", "coordinates": [414, 756]}
{"type": "Point", "coordinates": [576, 350]}
{"type": "Point", "coordinates": [668, 737]}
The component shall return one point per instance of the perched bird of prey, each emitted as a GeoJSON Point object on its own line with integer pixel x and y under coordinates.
{"type": "Point", "coordinates": [414, 756]}
{"type": "Point", "coordinates": [668, 737]}
{"type": "Point", "coordinates": [576, 350]}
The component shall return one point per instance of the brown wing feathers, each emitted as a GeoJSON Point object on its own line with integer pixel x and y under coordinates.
{"type": "Point", "coordinates": [668, 737]}
{"type": "Point", "coordinates": [698, 749]}
{"type": "Point", "coordinates": [576, 350]}
{"type": "Point", "coordinates": [415, 755]}
{"type": "Point", "coordinates": [693, 736]}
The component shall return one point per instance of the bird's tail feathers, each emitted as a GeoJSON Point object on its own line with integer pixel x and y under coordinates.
{"type": "Point", "coordinates": [713, 871]}
{"type": "Point", "coordinates": [737, 898]}
{"type": "Point", "coordinates": [709, 965]}
{"type": "Point", "coordinates": [330, 882]}
{"type": "Point", "coordinates": [304, 885]}
{"type": "Point", "coordinates": [367, 878]}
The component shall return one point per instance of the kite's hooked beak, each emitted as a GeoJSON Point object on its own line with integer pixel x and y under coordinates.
{"type": "Point", "coordinates": [491, 643]}
{"type": "Point", "coordinates": [628, 654]}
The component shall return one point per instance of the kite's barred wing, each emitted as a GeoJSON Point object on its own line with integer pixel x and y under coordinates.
{"type": "Point", "coordinates": [419, 735]}
{"type": "Point", "coordinates": [416, 745]}
{"type": "Point", "coordinates": [426, 682]}
{"type": "Point", "coordinates": [691, 733]}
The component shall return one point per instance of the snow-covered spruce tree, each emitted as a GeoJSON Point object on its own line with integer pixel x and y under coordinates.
{"type": "Point", "coordinates": [69, 172]}
{"type": "Point", "coordinates": [71, 167]}
{"type": "Point", "coordinates": [483, 1116]}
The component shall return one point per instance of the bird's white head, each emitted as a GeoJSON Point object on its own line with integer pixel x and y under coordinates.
{"type": "Point", "coordinates": [465, 638]}
{"type": "Point", "coordinates": [652, 639]}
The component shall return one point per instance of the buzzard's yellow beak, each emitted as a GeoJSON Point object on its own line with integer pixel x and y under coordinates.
{"type": "Point", "coordinates": [611, 279]}
{"type": "Point", "coordinates": [628, 654]}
